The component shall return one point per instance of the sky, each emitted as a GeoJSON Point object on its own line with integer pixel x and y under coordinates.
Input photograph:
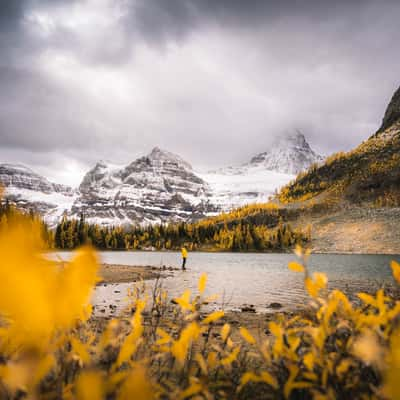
{"type": "Point", "coordinates": [214, 81]}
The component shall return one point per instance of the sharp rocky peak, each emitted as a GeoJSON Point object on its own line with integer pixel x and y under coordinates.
{"type": "Point", "coordinates": [288, 154]}
{"type": "Point", "coordinates": [392, 114]}
{"type": "Point", "coordinates": [160, 155]}
{"type": "Point", "coordinates": [294, 139]}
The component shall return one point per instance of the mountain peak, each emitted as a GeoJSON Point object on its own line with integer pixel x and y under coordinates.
{"type": "Point", "coordinates": [392, 114]}
{"type": "Point", "coordinates": [100, 164]}
{"type": "Point", "coordinates": [292, 139]}
{"type": "Point", "coordinates": [289, 154]}
{"type": "Point", "coordinates": [160, 155]}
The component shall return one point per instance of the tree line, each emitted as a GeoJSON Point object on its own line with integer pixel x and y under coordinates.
{"type": "Point", "coordinates": [218, 233]}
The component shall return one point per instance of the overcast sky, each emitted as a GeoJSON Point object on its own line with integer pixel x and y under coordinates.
{"type": "Point", "coordinates": [212, 80]}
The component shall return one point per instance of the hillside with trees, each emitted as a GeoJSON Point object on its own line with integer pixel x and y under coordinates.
{"type": "Point", "coordinates": [352, 200]}
{"type": "Point", "coordinates": [368, 174]}
{"type": "Point", "coordinates": [250, 228]}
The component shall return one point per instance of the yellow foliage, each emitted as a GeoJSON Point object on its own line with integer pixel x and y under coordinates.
{"type": "Point", "coordinates": [38, 297]}
{"type": "Point", "coordinates": [215, 316]}
{"type": "Point", "coordinates": [202, 283]}
{"type": "Point", "coordinates": [89, 386]}
{"type": "Point", "coordinates": [315, 284]}
{"type": "Point", "coordinates": [225, 332]}
{"type": "Point", "coordinates": [137, 386]}
{"type": "Point", "coordinates": [49, 348]}
{"type": "Point", "coordinates": [296, 267]}
{"type": "Point", "coordinates": [396, 270]}
{"type": "Point", "coordinates": [184, 301]}
{"type": "Point", "coordinates": [181, 346]}
{"type": "Point", "coordinates": [247, 336]}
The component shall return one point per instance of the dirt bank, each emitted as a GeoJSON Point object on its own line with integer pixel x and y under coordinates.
{"type": "Point", "coordinates": [355, 230]}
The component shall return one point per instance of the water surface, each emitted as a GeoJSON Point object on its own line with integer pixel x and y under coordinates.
{"type": "Point", "coordinates": [250, 278]}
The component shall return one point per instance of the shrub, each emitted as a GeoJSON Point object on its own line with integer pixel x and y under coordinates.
{"type": "Point", "coordinates": [51, 348]}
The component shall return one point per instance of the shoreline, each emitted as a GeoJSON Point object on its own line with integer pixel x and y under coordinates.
{"type": "Point", "coordinates": [346, 253]}
{"type": "Point", "coordinates": [117, 273]}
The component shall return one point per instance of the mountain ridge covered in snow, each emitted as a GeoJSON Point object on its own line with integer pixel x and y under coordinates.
{"type": "Point", "coordinates": [159, 187]}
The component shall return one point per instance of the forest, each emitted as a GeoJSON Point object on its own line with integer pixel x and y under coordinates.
{"type": "Point", "coordinates": [250, 228]}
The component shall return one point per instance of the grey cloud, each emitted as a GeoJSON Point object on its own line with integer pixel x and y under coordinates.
{"type": "Point", "coordinates": [213, 80]}
{"type": "Point", "coordinates": [159, 20]}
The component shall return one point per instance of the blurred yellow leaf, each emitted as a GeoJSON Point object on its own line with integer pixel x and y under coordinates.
{"type": "Point", "coordinates": [184, 301]}
{"type": "Point", "coordinates": [215, 316]}
{"type": "Point", "coordinates": [225, 330]}
{"type": "Point", "coordinates": [396, 270]}
{"type": "Point", "coordinates": [315, 284]}
{"type": "Point", "coordinates": [137, 386]}
{"type": "Point", "coordinates": [246, 335]}
{"type": "Point", "coordinates": [181, 346]}
{"type": "Point", "coordinates": [202, 363]}
{"type": "Point", "coordinates": [202, 283]}
{"type": "Point", "coordinates": [89, 386]}
{"type": "Point", "coordinates": [367, 348]}
{"type": "Point", "coordinates": [164, 337]}
{"type": "Point", "coordinates": [264, 376]}
{"type": "Point", "coordinates": [193, 389]}
{"type": "Point", "coordinates": [231, 357]}
{"type": "Point", "coordinates": [367, 299]}
{"type": "Point", "coordinates": [296, 267]}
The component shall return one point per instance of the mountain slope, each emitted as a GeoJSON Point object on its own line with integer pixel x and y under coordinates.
{"type": "Point", "coordinates": [29, 190]}
{"type": "Point", "coordinates": [159, 187]}
{"type": "Point", "coordinates": [257, 180]}
{"type": "Point", "coordinates": [155, 188]}
{"type": "Point", "coordinates": [352, 201]}
{"type": "Point", "coordinates": [370, 173]}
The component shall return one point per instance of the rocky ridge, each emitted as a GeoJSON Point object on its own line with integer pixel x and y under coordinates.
{"type": "Point", "coordinates": [159, 187]}
{"type": "Point", "coordinates": [155, 188]}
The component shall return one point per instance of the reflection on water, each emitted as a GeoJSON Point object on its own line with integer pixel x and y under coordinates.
{"type": "Point", "coordinates": [257, 279]}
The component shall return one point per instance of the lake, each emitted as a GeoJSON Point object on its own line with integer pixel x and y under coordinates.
{"type": "Point", "coordinates": [249, 278]}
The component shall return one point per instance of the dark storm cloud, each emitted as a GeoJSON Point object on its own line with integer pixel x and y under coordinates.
{"type": "Point", "coordinates": [160, 20]}
{"type": "Point", "coordinates": [211, 79]}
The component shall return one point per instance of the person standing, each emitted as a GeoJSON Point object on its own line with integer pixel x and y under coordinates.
{"type": "Point", "coordinates": [184, 257]}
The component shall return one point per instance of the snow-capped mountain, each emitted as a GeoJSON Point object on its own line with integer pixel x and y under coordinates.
{"type": "Point", "coordinates": [289, 154]}
{"type": "Point", "coordinates": [257, 180]}
{"type": "Point", "coordinates": [29, 190]}
{"type": "Point", "coordinates": [159, 187]}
